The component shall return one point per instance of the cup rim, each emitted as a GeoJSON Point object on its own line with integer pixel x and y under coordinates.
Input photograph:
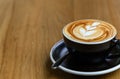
{"type": "Point", "coordinates": [89, 43]}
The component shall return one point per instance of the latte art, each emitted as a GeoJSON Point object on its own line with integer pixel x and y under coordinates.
{"type": "Point", "coordinates": [89, 30]}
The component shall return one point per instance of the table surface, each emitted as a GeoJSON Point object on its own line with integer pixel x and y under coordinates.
{"type": "Point", "coordinates": [29, 28]}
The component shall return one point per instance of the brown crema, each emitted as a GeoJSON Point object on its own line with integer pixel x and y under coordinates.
{"type": "Point", "coordinates": [87, 31]}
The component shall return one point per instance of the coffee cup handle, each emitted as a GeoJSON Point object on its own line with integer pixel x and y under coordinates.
{"type": "Point", "coordinates": [115, 46]}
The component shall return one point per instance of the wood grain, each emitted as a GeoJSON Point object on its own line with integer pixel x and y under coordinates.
{"type": "Point", "coordinates": [29, 28]}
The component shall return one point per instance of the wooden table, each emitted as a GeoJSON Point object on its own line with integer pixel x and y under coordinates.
{"type": "Point", "coordinates": [29, 28]}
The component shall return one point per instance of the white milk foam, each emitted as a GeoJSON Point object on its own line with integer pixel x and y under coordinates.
{"type": "Point", "coordinates": [88, 31]}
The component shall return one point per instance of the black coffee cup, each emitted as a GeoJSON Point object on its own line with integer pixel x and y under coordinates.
{"type": "Point", "coordinates": [90, 51]}
{"type": "Point", "coordinates": [88, 48]}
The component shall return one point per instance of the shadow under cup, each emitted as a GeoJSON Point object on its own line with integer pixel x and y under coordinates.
{"type": "Point", "coordinates": [89, 53]}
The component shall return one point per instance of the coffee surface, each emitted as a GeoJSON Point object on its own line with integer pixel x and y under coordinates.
{"type": "Point", "coordinates": [89, 30]}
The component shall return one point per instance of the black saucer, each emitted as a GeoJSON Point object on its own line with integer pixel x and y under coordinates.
{"type": "Point", "coordinates": [73, 62]}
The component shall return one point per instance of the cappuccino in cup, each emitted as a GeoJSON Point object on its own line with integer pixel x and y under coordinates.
{"type": "Point", "coordinates": [89, 39]}
{"type": "Point", "coordinates": [89, 31]}
{"type": "Point", "coordinates": [93, 35]}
